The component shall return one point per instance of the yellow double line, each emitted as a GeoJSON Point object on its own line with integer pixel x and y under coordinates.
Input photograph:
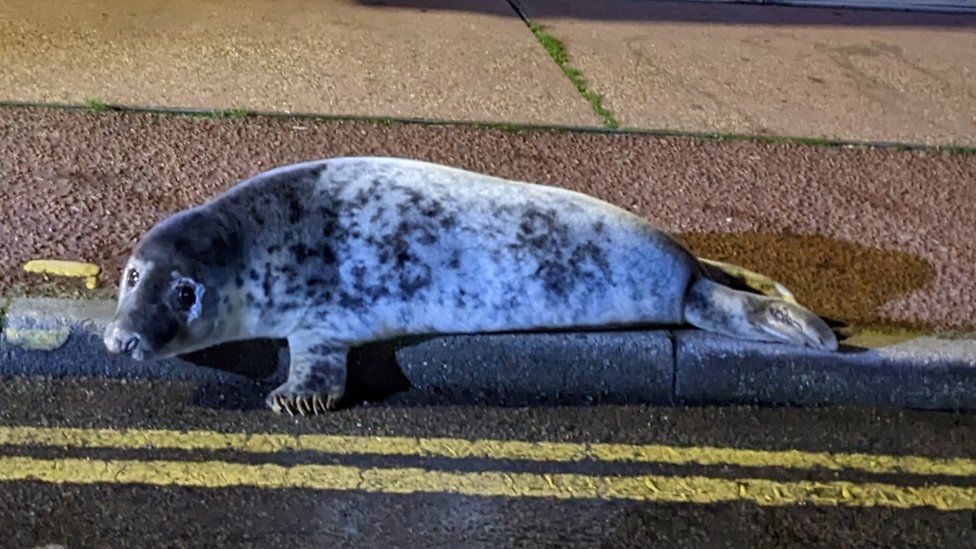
{"type": "Point", "coordinates": [405, 480]}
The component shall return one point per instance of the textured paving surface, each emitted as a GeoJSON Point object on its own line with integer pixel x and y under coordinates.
{"type": "Point", "coordinates": [843, 74]}
{"type": "Point", "coordinates": [140, 515]}
{"type": "Point", "coordinates": [861, 235]}
{"type": "Point", "coordinates": [332, 56]}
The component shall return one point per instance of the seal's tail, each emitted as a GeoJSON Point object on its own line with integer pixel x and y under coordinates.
{"type": "Point", "coordinates": [717, 308]}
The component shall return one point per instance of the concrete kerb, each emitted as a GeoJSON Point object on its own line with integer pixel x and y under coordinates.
{"type": "Point", "coordinates": [62, 338]}
{"type": "Point", "coordinates": [922, 372]}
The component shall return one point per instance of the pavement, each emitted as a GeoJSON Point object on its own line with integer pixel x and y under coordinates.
{"type": "Point", "coordinates": [861, 235]}
{"type": "Point", "coordinates": [832, 149]}
{"type": "Point", "coordinates": [336, 57]}
{"type": "Point", "coordinates": [674, 66]}
{"type": "Point", "coordinates": [762, 70]}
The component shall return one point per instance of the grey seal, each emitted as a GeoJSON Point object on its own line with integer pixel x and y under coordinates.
{"type": "Point", "coordinates": [335, 253]}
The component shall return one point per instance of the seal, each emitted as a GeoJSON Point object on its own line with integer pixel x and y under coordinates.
{"type": "Point", "coordinates": [336, 253]}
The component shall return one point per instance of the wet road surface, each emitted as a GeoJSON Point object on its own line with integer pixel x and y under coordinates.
{"type": "Point", "coordinates": [861, 235]}
{"type": "Point", "coordinates": [90, 463]}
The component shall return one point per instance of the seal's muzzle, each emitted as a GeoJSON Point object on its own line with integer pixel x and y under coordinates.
{"type": "Point", "coordinates": [125, 342]}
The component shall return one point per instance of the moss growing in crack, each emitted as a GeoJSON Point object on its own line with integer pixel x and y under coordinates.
{"type": "Point", "coordinates": [505, 127]}
{"type": "Point", "coordinates": [230, 113]}
{"type": "Point", "coordinates": [98, 106]}
{"type": "Point", "coordinates": [510, 127]}
{"type": "Point", "coordinates": [809, 141]}
{"type": "Point", "coordinates": [557, 51]}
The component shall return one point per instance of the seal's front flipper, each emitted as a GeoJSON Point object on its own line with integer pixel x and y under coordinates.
{"type": "Point", "coordinates": [716, 308]}
{"type": "Point", "coordinates": [316, 376]}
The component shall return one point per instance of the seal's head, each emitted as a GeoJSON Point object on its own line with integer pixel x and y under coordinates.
{"type": "Point", "coordinates": [169, 295]}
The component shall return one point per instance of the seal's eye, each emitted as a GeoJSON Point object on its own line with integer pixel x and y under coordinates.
{"type": "Point", "coordinates": [184, 296]}
{"type": "Point", "coordinates": [132, 277]}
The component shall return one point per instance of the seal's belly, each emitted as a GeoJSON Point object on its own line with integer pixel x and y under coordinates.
{"type": "Point", "coordinates": [443, 250]}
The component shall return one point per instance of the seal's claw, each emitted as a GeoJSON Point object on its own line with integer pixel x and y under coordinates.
{"type": "Point", "coordinates": [280, 403]}
{"type": "Point", "coordinates": [300, 399]}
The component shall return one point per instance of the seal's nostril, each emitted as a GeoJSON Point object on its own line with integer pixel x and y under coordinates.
{"type": "Point", "coordinates": [128, 344]}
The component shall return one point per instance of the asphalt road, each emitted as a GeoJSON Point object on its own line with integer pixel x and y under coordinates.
{"type": "Point", "coordinates": [78, 469]}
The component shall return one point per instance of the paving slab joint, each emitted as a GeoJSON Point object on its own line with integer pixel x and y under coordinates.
{"type": "Point", "coordinates": [674, 365]}
{"type": "Point", "coordinates": [557, 51]}
{"type": "Point", "coordinates": [4, 305]}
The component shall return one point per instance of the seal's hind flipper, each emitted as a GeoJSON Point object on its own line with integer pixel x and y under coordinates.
{"type": "Point", "coordinates": [740, 278]}
{"type": "Point", "coordinates": [716, 308]}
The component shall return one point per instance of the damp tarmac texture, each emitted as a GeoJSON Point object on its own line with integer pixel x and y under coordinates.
{"type": "Point", "coordinates": [139, 515]}
{"type": "Point", "coordinates": [861, 235]}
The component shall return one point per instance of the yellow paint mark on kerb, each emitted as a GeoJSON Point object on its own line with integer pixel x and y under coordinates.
{"type": "Point", "coordinates": [692, 489]}
{"type": "Point", "coordinates": [485, 449]}
{"type": "Point", "coordinates": [58, 267]}
{"type": "Point", "coordinates": [37, 339]}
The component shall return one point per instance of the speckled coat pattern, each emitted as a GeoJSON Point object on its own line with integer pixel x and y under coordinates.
{"type": "Point", "coordinates": [376, 248]}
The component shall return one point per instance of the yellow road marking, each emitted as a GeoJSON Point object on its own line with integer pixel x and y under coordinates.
{"type": "Point", "coordinates": [484, 449]}
{"type": "Point", "coordinates": [58, 267]}
{"type": "Point", "coordinates": [689, 489]}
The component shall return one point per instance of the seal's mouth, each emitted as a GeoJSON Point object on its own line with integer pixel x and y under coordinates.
{"type": "Point", "coordinates": [140, 355]}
